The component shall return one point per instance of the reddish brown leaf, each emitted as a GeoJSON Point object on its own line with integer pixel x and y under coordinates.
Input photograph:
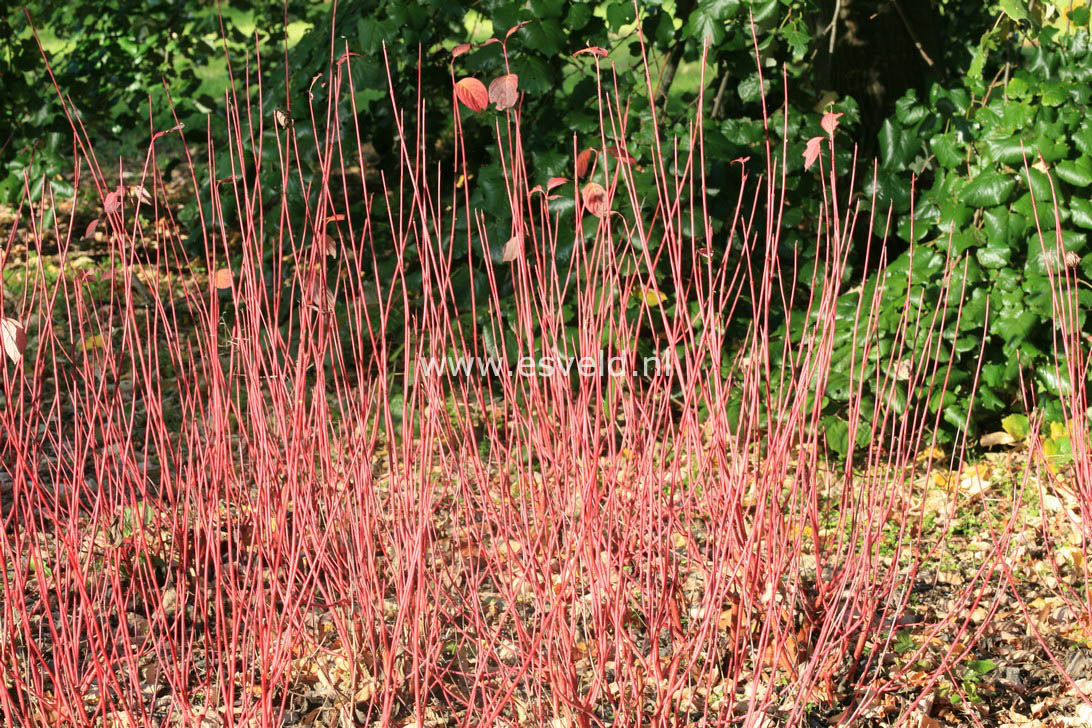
{"type": "Point", "coordinates": [582, 161]}
{"type": "Point", "coordinates": [13, 339]}
{"type": "Point", "coordinates": [596, 50]}
{"type": "Point", "coordinates": [811, 151]}
{"type": "Point", "coordinates": [620, 154]}
{"type": "Point", "coordinates": [113, 200]}
{"type": "Point", "coordinates": [555, 182]}
{"type": "Point", "coordinates": [504, 91]}
{"type": "Point", "coordinates": [830, 122]}
{"type": "Point", "coordinates": [346, 56]}
{"type": "Point", "coordinates": [515, 28]}
{"type": "Point", "coordinates": [595, 199]}
{"type": "Point", "coordinates": [472, 94]}
{"type": "Point", "coordinates": [221, 279]}
{"type": "Point", "coordinates": [89, 233]}
{"type": "Point", "coordinates": [460, 49]}
{"type": "Point", "coordinates": [513, 248]}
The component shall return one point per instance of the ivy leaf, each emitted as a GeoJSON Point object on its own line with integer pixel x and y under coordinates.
{"type": "Point", "coordinates": [988, 189]}
{"type": "Point", "coordinates": [1076, 172]}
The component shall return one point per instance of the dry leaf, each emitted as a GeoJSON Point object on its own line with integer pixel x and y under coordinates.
{"type": "Point", "coordinates": [221, 279]}
{"type": "Point", "coordinates": [620, 154]}
{"type": "Point", "coordinates": [504, 91]}
{"type": "Point", "coordinates": [595, 199]}
{"type": "Point", "coordinates": [141, 193]}
{"type": "Point", "coordinates": [996, 438]}
{"type": "Point", "coordinates": [92, 342]}
{"type": "Point", "coordinates": [13, 338]}
{"type": "Point", "coordinates": [513, 248]}
{"type": "Point", "coordinates": [282, 118]}
{"type": "Point", "coordinates": [472, 94]}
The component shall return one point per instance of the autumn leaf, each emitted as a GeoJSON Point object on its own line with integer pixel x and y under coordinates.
{"type": "Point", "coordinates": [595, 50]}
{"type": "Point", "coordinates": [582, 161]}
{"type": "Point", "coordinates": [89, 233]}
{"type": "Point", "coordinates": [460, 49]}
{"type": "Point", "coordinates": [830, 122]}
{"type": "Point", "coordinates": [471, 92]}
{"type": "Point", "coordinates": [112, 201]}
{"type": "Point", "coordinates": [811, 151]}
{"type": "Point", "coordinates": [221, 279]}
{"type": "Point", "coordinates": [503, 91]}
{"type": "Point", "coordinates": [515, 28]}
{"type": "Point", "coordinates": [13, 338]}
{"type": "Point", "coordinates": [513, 248]}
{"type": "Point", "coordinates": [595, 199]}
{"type": "Point", "coordinates": [555, 182]}
{"type": "Point", "coordinates": [620, 154]}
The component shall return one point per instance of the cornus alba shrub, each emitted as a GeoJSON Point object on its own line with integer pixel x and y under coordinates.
{"type": "Point", "coordinates": [235, 499]}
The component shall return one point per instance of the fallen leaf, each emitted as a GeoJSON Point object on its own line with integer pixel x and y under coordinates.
{"type": "Point", "coordinates": [995, 439]}
{"type": "Point", "coordinates": [91, 343]}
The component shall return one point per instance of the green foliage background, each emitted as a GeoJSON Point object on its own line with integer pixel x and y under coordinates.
{"type": "Point", "coordinates": [939, 90]}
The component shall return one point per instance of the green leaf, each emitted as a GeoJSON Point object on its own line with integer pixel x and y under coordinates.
{"type": "Point", "coordinates": [994, 256]}
{"type": "Point", "coordinates": [1076, 172]}
{"type": "Point", "coordinates": [749, 89]}
{"type": "Point", "coordinates": [1015, 9]}
{"type": "Point", "coordinates": [1016, 425]}
{"type": "Point", "coordinates": [982, 667]}
{"type": "Point", "coordinates": [988, 189]}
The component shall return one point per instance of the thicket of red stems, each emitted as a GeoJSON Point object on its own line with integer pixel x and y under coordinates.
{"type": "Point", "coordinates": [216, 507]}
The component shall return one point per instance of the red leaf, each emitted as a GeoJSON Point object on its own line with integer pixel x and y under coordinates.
{"type": "Point", "coordinates": [595, 199]}
{"type": "Point", "coordinates": [830, 122]}
{"type": "Point", "coordinates": [602, 52]}
{"type": "Point", "coordinates": [513, 248]}
{"type": "Point", "coordinates": [113, 200]}
{"type": "Point", "coordinates": [471, 92]}
{"type": "Point", "coordinates": [503, 91]}
{"type": "Point", "coordinates": [620, 154]}
{"type": "Point", "coordinates": [346, 56]}
{"type": "Point", "coordinates": [89, 233]}
{"type": "Point", "coordinates": [555, 182]}
{"type": "Point", "coordinates": [515, 28]}
{"type": "Point", "coordinates": [460, 49]}
{"type": "Point", "coordinates": [13, 339]}
{"type": "Point", "coordinates": [222, 278]}
{"type": "Point", "coordinates": [811, 151]}
{"type": "Point", "coordinates": [582, 161]}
